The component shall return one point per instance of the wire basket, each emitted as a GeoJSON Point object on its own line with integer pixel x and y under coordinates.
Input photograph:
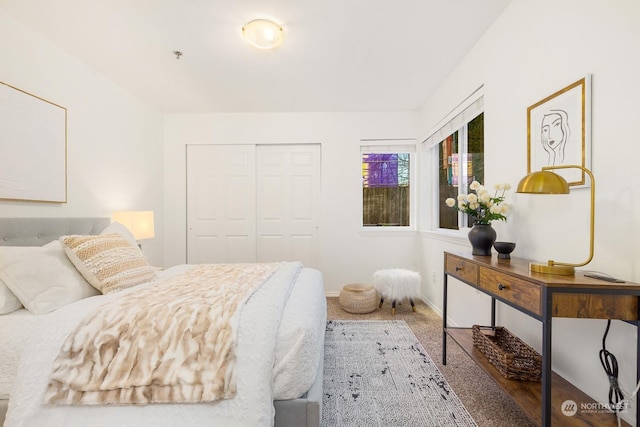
{"type": "Point", "coordinates": [509, 354]}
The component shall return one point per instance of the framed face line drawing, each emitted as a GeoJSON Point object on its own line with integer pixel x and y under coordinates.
{"type": "Point", "coordinates": [559, 131]}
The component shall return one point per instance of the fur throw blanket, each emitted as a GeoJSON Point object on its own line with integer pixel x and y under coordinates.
{"type": "Point", "coordinates": [171, 341]}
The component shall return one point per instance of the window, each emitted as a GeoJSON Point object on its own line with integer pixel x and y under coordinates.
{"type": "Point", "coordinates": [461, 161]}
{"type": "Point", "coordinates": [386, 185]}
{"type": "Point", "coordinates": [458, 148]}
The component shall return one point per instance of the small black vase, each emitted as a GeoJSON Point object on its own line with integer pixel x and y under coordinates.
{"type": "Point", "coordinates": [482, 237]}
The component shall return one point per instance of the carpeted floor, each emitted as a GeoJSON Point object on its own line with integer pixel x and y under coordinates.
{"type": "Point", "coordinates": [486, 402]}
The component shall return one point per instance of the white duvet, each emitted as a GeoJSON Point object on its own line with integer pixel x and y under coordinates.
{"type": "Point", "coordinates": [300, 337]}
{"type": "Point", "coordinates": [258, 328]}
{"type": "Point", "coordinates": [14, 336]}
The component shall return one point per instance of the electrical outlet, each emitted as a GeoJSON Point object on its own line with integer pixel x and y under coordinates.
{"type": "Point", "coordinates": [433, 277]}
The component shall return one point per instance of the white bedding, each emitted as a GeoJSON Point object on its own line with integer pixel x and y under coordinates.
{"type": "Point", "coordinates": [21, 326]}
{"type": "Point", "coordinates": [298, 347]}
{"type": "Point", "coordinates": [15, 330]}
{"type": "Point", "coordinates": [300, 344]}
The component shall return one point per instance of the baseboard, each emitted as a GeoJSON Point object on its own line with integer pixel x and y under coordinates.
{"type": "Point", "coordinates": [431, 305]}
{"type": "Point", "coordinates": [437, 310]}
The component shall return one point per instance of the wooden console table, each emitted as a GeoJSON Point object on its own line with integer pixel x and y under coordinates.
{"type": "Point", "coordinates": [541, 296]}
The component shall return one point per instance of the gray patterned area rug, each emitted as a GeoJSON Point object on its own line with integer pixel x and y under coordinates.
{"type": "Point", "coordinates": [376, 373]}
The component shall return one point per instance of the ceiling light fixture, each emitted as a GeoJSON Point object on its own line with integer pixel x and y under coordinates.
{"type": "Point", "coordinates": [262, 33]}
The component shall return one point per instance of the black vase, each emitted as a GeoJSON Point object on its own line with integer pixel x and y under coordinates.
{"type": "Point", "coordinates": [482, 237]}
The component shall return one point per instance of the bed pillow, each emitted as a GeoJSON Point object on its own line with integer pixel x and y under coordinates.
{"type": "Point", "coordinates": [109, 262]}
{"type": "Point", "coordinates": [8, 301]}
{"type": "Point", "coordinates": [42, 277]}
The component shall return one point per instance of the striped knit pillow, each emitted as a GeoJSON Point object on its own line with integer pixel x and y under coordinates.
{"type": "Point", "coordinates": [108, 261]}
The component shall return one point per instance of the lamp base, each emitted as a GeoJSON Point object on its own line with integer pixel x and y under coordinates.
{"type": "Point", "coordinates": [562, 270]}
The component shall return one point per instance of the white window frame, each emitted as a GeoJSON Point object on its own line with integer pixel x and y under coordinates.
{"type": "Point", "coordinates": [456, 120]}
{"type": "Point", "coordinates": [392, 146]}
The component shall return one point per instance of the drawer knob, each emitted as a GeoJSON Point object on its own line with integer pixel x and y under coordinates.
{"type": "Point", "coordinates": [501, 286]}
{"type": "Point", "coordinates": [458, 268]}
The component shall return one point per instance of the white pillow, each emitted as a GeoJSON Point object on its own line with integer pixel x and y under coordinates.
{"type": "Point", "coordinates": [109, 262]}
{"type": "Point", "coordinates": [42, 277]}
{"type": "Point", "coordinates": [8, 301]}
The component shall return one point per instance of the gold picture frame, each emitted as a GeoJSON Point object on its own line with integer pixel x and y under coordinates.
{"type": "Point", "coordinates": [559, 131]}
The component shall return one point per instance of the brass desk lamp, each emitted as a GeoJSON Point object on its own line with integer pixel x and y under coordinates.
{"type": "Point", "coordinates": [546, 182]}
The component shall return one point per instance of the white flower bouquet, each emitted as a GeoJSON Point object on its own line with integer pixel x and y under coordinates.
{"type": "Point", "coordinates": [481, 205]}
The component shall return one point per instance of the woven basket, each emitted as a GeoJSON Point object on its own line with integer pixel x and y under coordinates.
{"type": "Point", "coordinates": [358, 298]}
{"type": "Point", "coordinates": [511, 356]}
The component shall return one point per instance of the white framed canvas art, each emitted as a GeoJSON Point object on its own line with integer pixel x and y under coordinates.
{"type": "Point", "coordinates": [33, 147]}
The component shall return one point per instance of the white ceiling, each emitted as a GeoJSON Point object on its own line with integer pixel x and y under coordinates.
{"type": "Point", "coordinates": [338, 55]}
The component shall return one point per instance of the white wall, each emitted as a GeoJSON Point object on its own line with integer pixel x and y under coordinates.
{"type": "Point", "coordinates": [346, 255]}
{"type": "Point", "coordinates": [114, 142]}
{"type": "Point", "coordinates": [115, 158]}
{"type": "Point", "coordinates": [534, 49]}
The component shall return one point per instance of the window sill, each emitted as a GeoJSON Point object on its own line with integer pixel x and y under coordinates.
{"type": "Point", "coordinates": [459, 237]}
{"type": "Point", "coordinates": [387, 231]}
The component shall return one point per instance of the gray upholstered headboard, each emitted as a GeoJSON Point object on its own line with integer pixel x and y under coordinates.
{"type": "Point", "coordinates": [40, 231]}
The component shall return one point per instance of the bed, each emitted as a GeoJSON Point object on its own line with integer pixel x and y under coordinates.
{"type": "Point", "coordinates": [265, 379]}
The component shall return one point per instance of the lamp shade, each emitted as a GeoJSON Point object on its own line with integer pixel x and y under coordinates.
{"type": "Point", "coordinates": [543, 182]}
{"type": "Point", "coordinates": [140, 223]}
{"type": "Point", "coordinates": [262, 33]}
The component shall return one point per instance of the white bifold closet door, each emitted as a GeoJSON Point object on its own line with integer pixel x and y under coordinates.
{"type": "Point", "coordinates": [253, 203]}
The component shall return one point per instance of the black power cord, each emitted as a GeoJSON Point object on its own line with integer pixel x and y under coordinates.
{"type": "Point", "coordinates": [610, 365]}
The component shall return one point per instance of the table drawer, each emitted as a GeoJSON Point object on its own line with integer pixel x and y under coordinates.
{"type": "Point", "coordinates": [520, 292]}
{"type": "Point", "coordinates": [462, 269]}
